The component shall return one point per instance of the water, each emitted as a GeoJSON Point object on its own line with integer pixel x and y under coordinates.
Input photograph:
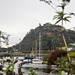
{"type": "Point", "coordinates": [39, 68]}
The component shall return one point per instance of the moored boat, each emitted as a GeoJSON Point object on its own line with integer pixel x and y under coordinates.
{"type": "Point", "coordinates": [37, 60]}
{"type": "Point", "coordinates": [27, 60]}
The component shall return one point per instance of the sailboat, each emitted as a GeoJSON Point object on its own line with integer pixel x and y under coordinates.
{"type": "Point", "coordinates": [29, 59]}
{"type": "Point", "coordinates": [38, 60]}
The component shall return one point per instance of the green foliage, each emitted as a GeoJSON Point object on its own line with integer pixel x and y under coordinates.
{"type": "Point", "coordinates": [12, 61]}
{"type": "Point", "coordinates": [1, 35]}
{"type": "Point", "coordinates": [4, 61]}
{"type": "Point", "coordinates": [7, 70]}
{"type": "Point", "coordinates": [72, 54]}
{"type": "Point", "coordinates": [0, 32]}
{"type": "Point", "coordinates": [63, 29]}
{"type": "Point", "coordinates": [67, 67]}
{"type": "Point", "coordinates": [62, 4]}
{"type": "Point", "coordinates": [32, 72]}
{"type": "Point", "coordinates": [64, 48]}
{"type": "Point", "coordinates": [62, 73]}
{"type": "Point", "coordinates": [61, 16]}
{"type": "Point", "coordinates": [10, 68]}
{"type": "Point", "coordinates": [45, 62]}
{"type": "Point", "coordinates": [73, 62]}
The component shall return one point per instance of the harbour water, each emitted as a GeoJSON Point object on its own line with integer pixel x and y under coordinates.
{"type": "Point", "coordinates": [40, 69]}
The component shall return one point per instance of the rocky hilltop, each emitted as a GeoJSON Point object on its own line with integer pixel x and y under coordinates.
{"type": "Point", "coordinates": [51, 37]}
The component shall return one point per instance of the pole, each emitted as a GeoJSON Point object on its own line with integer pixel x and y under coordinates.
{"type": "Point", "coordinates": [36, 48]}
{"type": "Point", "coordinates": [39, 43]}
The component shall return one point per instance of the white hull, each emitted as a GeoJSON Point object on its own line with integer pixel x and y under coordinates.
{"type": "Point", "coordinates": [27, 60]}
{"type": "Point", "coordinates": [37, 61]}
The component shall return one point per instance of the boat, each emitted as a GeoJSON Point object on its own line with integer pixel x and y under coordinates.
{"type": "Point", "coordinates": [38, 60]}
{"type": "Point", "coordinates": [27, 60]}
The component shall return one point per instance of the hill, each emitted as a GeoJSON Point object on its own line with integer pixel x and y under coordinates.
{"type": "Point", "coordinates": [51, 38]}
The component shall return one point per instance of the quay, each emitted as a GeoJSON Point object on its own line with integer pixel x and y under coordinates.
{"type": "Point", "coordinates": [20, 54]}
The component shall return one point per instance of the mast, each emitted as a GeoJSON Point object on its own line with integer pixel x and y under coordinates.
{"type": "Point", "coordinates": [39, 43]}
{"type": "Point", "coordinates": [36, 47]}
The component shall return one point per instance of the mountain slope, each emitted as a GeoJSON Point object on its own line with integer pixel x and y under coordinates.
{"type": "Point", "coordinates": [51, 38]}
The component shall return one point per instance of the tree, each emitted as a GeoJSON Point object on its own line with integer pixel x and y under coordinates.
{"type": "Point", "coordinates": [1, 36]}
{"type": "Point", "coordinates": [61, 17]}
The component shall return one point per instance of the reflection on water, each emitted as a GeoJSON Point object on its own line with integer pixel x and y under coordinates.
{"type": "Point", "coordinates": [39, 68]}
{"type": "Point", "coordinates": [35, 65]}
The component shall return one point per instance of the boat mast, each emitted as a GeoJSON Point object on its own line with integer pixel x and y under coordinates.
{"type": "Point", "coordinates": [36, 47]}
{"type": "Point", "coordinates": [39, 43]}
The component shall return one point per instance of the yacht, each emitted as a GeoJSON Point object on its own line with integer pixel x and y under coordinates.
{"type": "Point", "coordinates": [37, 60]}
{"type": "Point", "coordinates": [27, 60]}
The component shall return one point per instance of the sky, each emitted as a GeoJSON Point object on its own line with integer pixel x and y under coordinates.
{"type": "Point", "coordinates": [17, 17]}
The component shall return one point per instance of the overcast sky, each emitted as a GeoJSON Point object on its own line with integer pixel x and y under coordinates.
{"type": "Point", "coordinates": [17, 17]}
